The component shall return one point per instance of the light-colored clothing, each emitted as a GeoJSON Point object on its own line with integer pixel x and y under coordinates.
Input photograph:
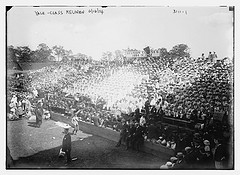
{"type": "Point", "coordinates": [12, 116]}
{"type": "Point", "coordinates": [14, 100]}
{"type": "Point", "coordinates": [142, 121]}
{"type": "Point", "coordinates": [28, 114]}
{"type": "Point", "coordinates": [75, 120]}
{"type": "Point", "coordinates": [27, 105]}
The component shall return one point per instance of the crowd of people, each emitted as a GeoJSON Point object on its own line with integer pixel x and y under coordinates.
{"type": "Point", "coordinates": [201, 154]}
{"type": "Point", "coordinates": [138, 99]}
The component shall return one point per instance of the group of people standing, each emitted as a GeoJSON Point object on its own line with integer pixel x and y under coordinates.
{"type": "Point", "coordinates": [133, 134]}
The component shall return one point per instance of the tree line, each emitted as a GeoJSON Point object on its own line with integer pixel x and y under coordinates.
{"type": "Point", "coordinates": [179, 51]}
{"type": "Point", "coordinates": [43, 53]}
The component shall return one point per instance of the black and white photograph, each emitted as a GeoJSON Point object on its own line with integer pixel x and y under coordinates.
{"type": "Point", "coordinates": [120, 87]}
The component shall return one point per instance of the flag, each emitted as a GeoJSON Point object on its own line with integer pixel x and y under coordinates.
{"type": "Point", "coordinates": [147, 50]}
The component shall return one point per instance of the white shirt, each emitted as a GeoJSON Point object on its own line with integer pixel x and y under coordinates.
{"type": "Point", "coordinates": [35, 92]}
{"type": "Point", "coordinates": [14, 99]}
{"type": "Point", "coordinates": [142, 121]}
{"type": "Point", "coordinates": [27, 104]}
{"type": "Point", "coordinates": [153, 102]}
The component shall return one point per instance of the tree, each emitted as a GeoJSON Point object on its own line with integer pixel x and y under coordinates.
{"type": "Point", "coordinates": [118, 55]}
{"type": "Point", "coordinates": [66, 55]}
{"type": "Point", "coordinates": [11, 54]}
{"type": "Point", "coordinates": [107, 56]}
{"type": "Point", "coordinates": [164, 53]}
{"type": "Point", "coordinates": [58, 51]}
{"type": "Point", "coordinates": [80, 56]}
{"type": "Point", "coordinates": [23, 54]}
{"type": "Point", "coordinates": [180, 51]}
{"type": "Point", "coordinates": [42, 54]}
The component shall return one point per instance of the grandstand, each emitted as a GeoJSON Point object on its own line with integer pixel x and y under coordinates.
{"type": "Point", "coordinates": [185, 96]}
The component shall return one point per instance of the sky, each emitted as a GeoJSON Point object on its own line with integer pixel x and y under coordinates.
{"type": "Point", "coordinates": [203, 29]}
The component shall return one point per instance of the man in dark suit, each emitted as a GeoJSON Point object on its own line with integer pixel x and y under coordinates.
{"type": "Point", "coordinates": [130, 134]}
{"type": "Point", "coordinates": [137, 114]}
{"type": "Point", "coordinates": [220, 153]}
{"type": "Point", "coordinates": [138, 139]}
{"type": "Point", "coordinates": [66, 144]}
{"type": "Point", "coordinates": [123, 133]}
{"type": "Point", "coordinates": [147, 106]}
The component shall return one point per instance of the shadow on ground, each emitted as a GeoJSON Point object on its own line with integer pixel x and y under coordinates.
{"type": "Point", "coordinates": [91, 153]}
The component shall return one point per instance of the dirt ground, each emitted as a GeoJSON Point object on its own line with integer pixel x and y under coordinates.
{"type": "Point", "coordinates": [36, 148]}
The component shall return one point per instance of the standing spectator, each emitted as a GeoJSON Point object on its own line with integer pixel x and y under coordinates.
{"type": "Point", "coordinates": [130, 134]}
{"type": "Point", "coordinates": [147, 106]}
{"type": "Point", "coordinates": [96, 120]}
{"type": "Point", "coordinates": [220, 153]}
{"type": "Point", "coordinates": [75, 121]}
{"type": "Point", "coordinates": [138, 139]}
{"type": "Point", "coordinates": [39, 114]}
{"type": "Point", "coordinates": [137, 114]}
{"type": "Point", "coordinates": [123, 133]}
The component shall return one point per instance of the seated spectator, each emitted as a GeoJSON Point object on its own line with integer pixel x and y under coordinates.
{"type": "Point", "coordinates": [19, 112]}
{"type": "Point", "coordinates": [169, 165]}
{"type": "Point", "coordinates": [173, 160]}
{"type": "Point", "coordinates": [47, 115]}
{"type": "Point", "coordinates": [180, 164]}
{"type": "Point", "coordinates": [12, 115]}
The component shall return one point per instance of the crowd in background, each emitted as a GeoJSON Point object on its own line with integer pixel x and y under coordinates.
{"type": "Point", "coordinates": [138, 99]}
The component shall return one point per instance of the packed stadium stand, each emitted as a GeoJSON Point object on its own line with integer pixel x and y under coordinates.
{"type": "Point", "coordinates": [185, 104]}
